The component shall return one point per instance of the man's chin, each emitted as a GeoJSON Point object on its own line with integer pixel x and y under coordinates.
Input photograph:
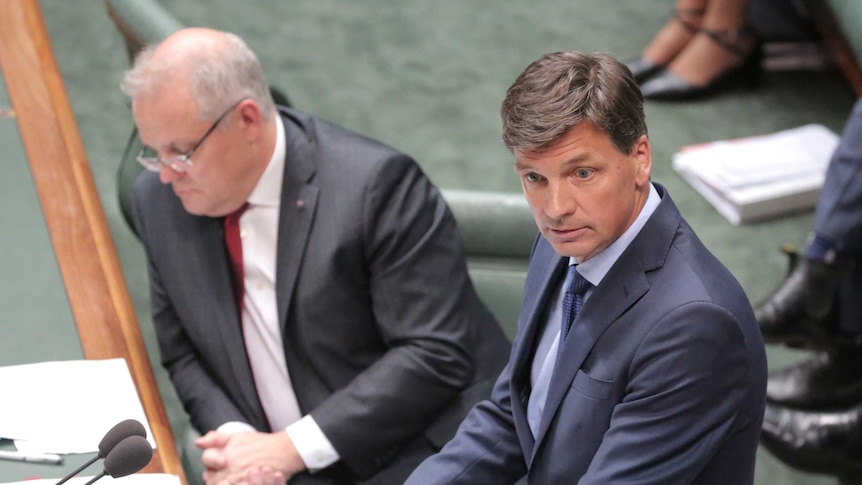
{"type": "Point", "coordinates": [568, 248]}
{"type": "Point", "coordinates": [193, 208]}
{"type": "Point", "coordinates": [565, 248]}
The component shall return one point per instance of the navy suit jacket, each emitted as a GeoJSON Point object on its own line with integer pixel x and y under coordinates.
{"type": "Point", "coordinates": [838, 214]}
{"type": "Point", "coordinates": [661, 380]}
{"type": "Point", "coordinates": [385, 338]}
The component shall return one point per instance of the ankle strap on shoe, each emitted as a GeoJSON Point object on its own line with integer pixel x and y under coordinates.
{"type": "Point", "coordinates": [729, 39]}
{"type": "Point", "coordinates": [682, 16]}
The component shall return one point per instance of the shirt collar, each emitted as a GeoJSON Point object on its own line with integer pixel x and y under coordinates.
{"type": "Point", "coordinates": [595, 268]}
{"type": "Point", "coordinates": [267, 192]}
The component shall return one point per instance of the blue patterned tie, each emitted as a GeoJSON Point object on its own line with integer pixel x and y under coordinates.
{"type": "Point", "coordinates": [576, 287]}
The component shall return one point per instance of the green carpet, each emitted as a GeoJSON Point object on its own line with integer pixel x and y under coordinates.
{"type": "Point", "coordinates": [428, 78]}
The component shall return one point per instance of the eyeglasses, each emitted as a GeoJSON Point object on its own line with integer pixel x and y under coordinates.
{"type": "Point", "coordinates": [178, 163]}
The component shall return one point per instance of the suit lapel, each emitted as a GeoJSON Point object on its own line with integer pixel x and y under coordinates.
{"type": "Point", "coordinates": [549, 272]}
{"type": "Point", "coordinates": [297, 213]}
{"type": "Point", "coordinates": [625, 284]}
{"type": "Point", "coordinates": [297, 210]}
{"type": "Point", "coordinates": [621, 288]}
{"type": "Point", "coordinates": [537, 294]}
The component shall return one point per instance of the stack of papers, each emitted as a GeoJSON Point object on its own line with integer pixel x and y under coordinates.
{"type": "Point", "coordinates": [754, 178]}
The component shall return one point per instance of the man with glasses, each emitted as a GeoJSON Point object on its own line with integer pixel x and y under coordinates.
{"type": "Point", "coordinates": [308, 288]}
{"type": "Point", "coordinates": [150, 160]}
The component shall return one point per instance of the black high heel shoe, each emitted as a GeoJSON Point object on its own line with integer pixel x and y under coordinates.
{"type": "Point", "coordinates": [641, 67]}
{"type": "Point", "coordinates": [667, 86]}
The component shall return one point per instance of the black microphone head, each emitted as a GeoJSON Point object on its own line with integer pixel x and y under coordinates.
{"type": "Point", "coordinates": [128, 456]}
{"type": "Point", "coordinates": [121, 430]}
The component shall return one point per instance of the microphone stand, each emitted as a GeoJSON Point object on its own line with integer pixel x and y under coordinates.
{"type": "Point", "coordinates": [78, 470]}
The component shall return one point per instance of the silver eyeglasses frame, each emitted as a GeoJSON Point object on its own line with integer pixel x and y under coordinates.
{"type": "Point", "coordinates": [182, 162]}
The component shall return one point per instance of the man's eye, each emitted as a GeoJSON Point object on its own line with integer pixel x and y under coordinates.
{"type": "Point", "coordinates": [583, 173]}
{"type": "Point", "coordinates": [531, 177]}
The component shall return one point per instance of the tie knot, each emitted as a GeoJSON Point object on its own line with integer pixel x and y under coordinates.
{"type": "Point", "coordinates": [575, 283]}
{"type": "Point", "coordinates": [233, 217]}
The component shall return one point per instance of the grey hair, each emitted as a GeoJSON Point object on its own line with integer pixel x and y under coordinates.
{"type": "Point", "coordinates": [219, 74]}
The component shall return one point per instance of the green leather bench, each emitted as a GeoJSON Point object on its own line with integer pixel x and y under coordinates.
{"type": "Point", "coordinates": [497, 228]}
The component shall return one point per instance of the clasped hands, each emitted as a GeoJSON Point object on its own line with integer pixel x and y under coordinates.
{"type": "Point", "coordinates": [248, 458]}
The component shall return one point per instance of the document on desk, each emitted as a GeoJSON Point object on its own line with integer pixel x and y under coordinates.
{"type": "Point", "coordinates": [66, 406]}
{"type": "Point", "coordinates": [136, 479]}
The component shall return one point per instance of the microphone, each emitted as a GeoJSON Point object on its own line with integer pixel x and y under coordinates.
{"type": "Point", "coordinates": [128, 456]}
{"type": "Point", "coordinates": [114, 436]}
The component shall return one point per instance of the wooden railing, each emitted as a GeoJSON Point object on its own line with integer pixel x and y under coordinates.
{"type": "Point", "coordinates": [85, 253]}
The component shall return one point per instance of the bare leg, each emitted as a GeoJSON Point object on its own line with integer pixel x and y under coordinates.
{"type": "Point", "coordinates": [677, 32]}
{"type": "Point", "coordinates": [704, 59]}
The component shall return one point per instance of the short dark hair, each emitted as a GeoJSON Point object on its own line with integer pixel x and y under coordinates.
{"type": "Point", "coordinates": [563, 89]}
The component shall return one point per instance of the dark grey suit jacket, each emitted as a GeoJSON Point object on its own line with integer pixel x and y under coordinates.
{"type": "Point", "coordinates": [662, 379]}
{"type": "Point", "coordinates": [385, 338]}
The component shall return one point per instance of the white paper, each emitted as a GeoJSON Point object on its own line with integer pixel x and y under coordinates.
{"type": "Point", "coordinates": [67, 406]}
{"type": "Point", "coordinates": [135, 479]}
{"type": "Point", "coordinates": [796, 153]}
{"type": "Point", "coordinates": [753, 178]}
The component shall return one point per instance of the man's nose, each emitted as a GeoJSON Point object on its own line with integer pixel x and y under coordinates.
{"type": "Point", "coordinates": [168, 174]}
{"type": "Point", "coordinates": [560, 201]}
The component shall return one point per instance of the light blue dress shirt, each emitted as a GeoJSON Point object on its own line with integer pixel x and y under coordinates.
{"type": "Point", "coordinates": [594, 270]}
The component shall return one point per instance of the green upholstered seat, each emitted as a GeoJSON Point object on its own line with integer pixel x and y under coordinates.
{"type": "Point", "coordinates": [497, 228]}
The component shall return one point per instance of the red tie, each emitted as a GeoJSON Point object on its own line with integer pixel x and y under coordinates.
{"type": "Point", "coordinates": [234, 249]}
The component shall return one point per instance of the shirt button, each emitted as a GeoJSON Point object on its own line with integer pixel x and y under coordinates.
{"type": "Point", "coordinates": [242, 234]}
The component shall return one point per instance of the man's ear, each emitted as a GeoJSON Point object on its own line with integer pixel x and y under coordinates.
{"type": "Point", "coordinates": [250, 118]}
{"type": "Point", "coordinates": [642, 153]}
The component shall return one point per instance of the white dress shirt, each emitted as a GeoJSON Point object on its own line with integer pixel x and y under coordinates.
{"type": "Point", "coordinates": [260, 325]}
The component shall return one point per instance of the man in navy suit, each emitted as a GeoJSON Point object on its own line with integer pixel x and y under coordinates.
{"type": "Point", "coordinates": [661, 376]}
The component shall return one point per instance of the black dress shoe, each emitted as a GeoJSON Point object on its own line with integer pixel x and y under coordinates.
{"type": "Point", "coordinates": [829, 380]}
{"type": "Point", "coordinates": [803, 310]}
{"type": "Point", "coordinates": [642, 68]}
{"type": "Point", "coordinates": [815, 442]}
{"type": "Point", "coordinates": [667, 86]}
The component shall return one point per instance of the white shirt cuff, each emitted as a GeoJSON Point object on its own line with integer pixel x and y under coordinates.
{"type": "Point", "coordinates": [235, 427]}
{"type": "Point", "coordinates": [312, 445]}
